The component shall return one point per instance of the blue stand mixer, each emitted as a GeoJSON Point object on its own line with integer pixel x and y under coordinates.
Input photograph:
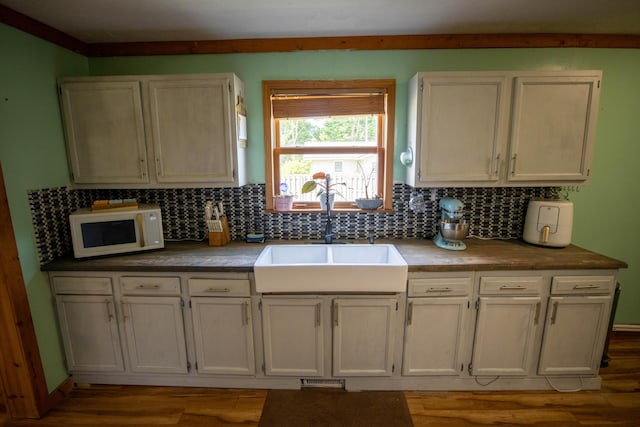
{"type": "Point", "coordinates": [452, 228]}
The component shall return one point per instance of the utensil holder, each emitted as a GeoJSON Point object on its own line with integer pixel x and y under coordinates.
{"type": "Point", "coordinates": [217, 238]}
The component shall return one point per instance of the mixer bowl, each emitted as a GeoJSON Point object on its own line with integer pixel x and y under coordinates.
{"type": "Point", "coordinates": [454, 230]}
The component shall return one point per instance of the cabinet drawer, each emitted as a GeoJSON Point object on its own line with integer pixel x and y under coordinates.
{"type": "Point", "coordinates": [219, 287]}
{"type": "Point", "coordinates": [582, 285]}
{"type": "Point", "coordinates": [510, 285]}
{"type": "Point", "coordinates": [150, 285]}
{"type": "Point", "coordinates": [82, 285]}
{"type": "Point", "coordinates": [439, 287]}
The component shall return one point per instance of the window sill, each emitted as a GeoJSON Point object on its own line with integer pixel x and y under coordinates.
{"type": "Point", "coordinates": [335, 210]}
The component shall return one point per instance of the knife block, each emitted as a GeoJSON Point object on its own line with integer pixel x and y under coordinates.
{"type": "Point", "coordinates": [217, 238]}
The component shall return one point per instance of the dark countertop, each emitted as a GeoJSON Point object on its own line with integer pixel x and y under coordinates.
{"type": "Point", "coordinates": [421, 256]}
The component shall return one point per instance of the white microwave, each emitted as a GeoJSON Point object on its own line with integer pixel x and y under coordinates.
{"type": "Point", "coordinates": [106, 232]}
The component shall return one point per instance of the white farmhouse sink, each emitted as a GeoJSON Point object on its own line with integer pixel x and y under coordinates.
{"type": "Point", "coordinates": [330, 268]}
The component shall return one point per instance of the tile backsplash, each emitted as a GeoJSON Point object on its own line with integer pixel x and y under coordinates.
{"type": "Point", "coordinates": [493, 213]}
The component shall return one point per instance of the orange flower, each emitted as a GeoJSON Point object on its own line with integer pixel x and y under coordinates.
{"type": "Point", "coordinates": [319, 175]}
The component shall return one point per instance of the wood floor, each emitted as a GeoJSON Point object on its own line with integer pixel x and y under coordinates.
{"type": "Point", "coordinates": [616, 404]}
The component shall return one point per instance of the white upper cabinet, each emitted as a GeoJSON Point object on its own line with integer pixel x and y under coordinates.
{"type": "Point", "coordinates": [501, 128]}
{"type": "Point", "coordinates": [186, 125]}
{"type": "Point", "coordinates": [105, 128]}
{"type": "Point", "coordinates": [459, 128]}
{"type": "Point", "coordinates": [552, 127]}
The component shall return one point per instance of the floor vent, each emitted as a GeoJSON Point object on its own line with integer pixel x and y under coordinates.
{"type": "Point", "coordinates": [311, 382]}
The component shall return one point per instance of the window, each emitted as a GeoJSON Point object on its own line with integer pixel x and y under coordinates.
{"type": "Point", "coordinates": [343, 128]}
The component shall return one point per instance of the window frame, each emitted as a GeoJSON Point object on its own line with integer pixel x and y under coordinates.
{"type": "Point", "coordinates": [386, 129]}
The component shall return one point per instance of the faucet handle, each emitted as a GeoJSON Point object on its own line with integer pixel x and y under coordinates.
{"type": "Point", "coordinates": [372, 238]}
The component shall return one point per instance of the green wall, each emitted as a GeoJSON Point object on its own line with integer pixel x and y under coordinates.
{"type": "Point", "coordinates": [33, 156]}
{"type": "Point", "coordinates": [32, 153]}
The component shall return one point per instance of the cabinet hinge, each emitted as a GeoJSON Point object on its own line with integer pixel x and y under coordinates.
{"type": "Point", "coordinates": [393, 368]}
{"type": "Point", "coordinates": [588, 172]}
{"type": "Point", "coordinates": [188, 366]}
{"type": "Point", "coordinates": [396, 305]}
{"type": "Point", "coordinates": [598, 84]}
{"type": "Point", "coordinates": [468, 304]}
{"type": "Point", "coordinates": [421, 85]}
{"type": "Point", "coordinates": [230, 87]}
{"type": "Point", "coordinates": [260, 306]}
{"type": "Point", "coordinates": [189, 303]}
{"type": "Point", "coordinates": [470, 368]}
{"type": "Point", "coordinates": [60, 90]}
{"type": "Point", "coordinates": [462, 367]}
{"type": "Point", "coordinates": [181, 303]}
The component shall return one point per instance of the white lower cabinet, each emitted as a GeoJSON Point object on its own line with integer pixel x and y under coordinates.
{"type": "Point", "coordinates": [293, 335]}
{"type": "Point", "coordinates": [576, 325]}
{"type": "Point", "coordinates": [507, 325]}
{"type": "Point", "coordinates": [436, 325]}
{"type": "Point", "coordinates": [363, 336]}
{"type": "Point", "coordinates": [296, 340]}
{"type": "Point", "coordinates": [155, 334]}
{"type": "Point", "coordinates": [222, 326]}
{"type": "Point", "coordinates": [153, 323]}
{"type": "Point", "coordinates": [505, 334]}
{"type": "Point", "coordinates": [90, 333]}
{"type": "Point", "coordinates": [88, 325]}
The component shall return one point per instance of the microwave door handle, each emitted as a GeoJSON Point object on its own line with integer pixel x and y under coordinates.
{"type": "Point", "coordinates": [139, 222]}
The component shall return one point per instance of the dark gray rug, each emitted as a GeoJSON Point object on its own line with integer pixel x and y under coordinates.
{"type": "Point", "coordinates": [335, 408]}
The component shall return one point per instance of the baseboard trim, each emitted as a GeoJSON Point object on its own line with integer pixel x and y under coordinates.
{"type": "Point", "coordinates": [626, 327]}
{"type": "Point", "coordinates": [58, 394]}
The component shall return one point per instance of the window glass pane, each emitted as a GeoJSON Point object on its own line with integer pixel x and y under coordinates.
{"type": "Point", "coordinates": [358, 178]}
{"type": "Point", "coordinates": [361, 131]}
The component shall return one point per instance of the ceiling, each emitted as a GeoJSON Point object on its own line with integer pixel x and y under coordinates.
{"type": "Point", "coordinates": [109, 21]}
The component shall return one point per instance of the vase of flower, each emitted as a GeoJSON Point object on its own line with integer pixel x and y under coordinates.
{"type": "Point", "coordinates": [283, 203]}
{"type": "Point", "coordinates": [321, 181]}
{"type": "Point", "coordinates": [323, 201]}
{"type": "Point", "coordinates": [370, 201]}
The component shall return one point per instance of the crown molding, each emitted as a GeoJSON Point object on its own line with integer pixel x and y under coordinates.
{"type": "Point", "coordinates": [440, 41]}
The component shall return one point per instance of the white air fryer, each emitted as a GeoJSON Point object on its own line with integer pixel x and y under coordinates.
{"type": "Point", "coordinates": [549, 223]}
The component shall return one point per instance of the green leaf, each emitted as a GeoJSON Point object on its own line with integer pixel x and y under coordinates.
{"type": "Point", "coordinates": [308, 186]}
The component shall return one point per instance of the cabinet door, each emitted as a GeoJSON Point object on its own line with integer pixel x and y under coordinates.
{"type": "Point", "coordinates": [191, 128]}
{"type": "Point", "coordinates": [462, 128]}
{"type": "Point", "coordinates": [105, 132]}
{"type": "Point", "coordinates": [434, 336]}
{"type": "Point", "coordinates": [553, 128]}
{"type": "Point", "coordinates": [223, 335]}
{"type": "Point", "coordinates": [505, 335]}
{"type": "Point", "coordinates": [90, 333]}
{"type": "Point", "coordinates": [155, 334]}
{"type": "Point", "coordinates": [575, 331]}
{"type": "Point", "coordinates": [363, 336]}
{"type": "Point", "coordinates": [293, 333]}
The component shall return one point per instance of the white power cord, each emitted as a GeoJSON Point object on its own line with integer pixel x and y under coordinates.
{"type": "Point", "coordinates": [565, 390]}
